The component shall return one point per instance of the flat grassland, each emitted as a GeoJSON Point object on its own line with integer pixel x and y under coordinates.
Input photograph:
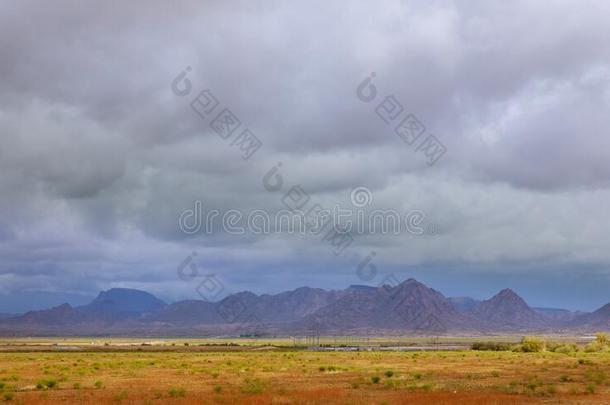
{"type": "Point", "coordinates": [275, 372]}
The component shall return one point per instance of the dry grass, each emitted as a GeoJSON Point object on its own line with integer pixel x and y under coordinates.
{"type": "Point", "coordinates": [303, 377]}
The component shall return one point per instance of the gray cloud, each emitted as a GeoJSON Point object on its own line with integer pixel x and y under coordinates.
{"type": "Point", "coordinates": [99, 157]}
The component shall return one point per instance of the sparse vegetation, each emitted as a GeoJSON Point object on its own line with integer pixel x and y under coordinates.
{"type": "Point", "coordinates": [600, 344]}
{"type": "Point", "coordinates": [531, 344]}
{"type": "Point", "coordinates": [491, 346]}
{"type": "Point", "coordinates": [177, 392]}
{"type": "Point", "coordinates": [120, 396]}
{"type": "Point", "coordinates": [252, 386]}
{"type": "Point", "coordinates": [46, 384]}
{"type": "Point", "coordinates": [257, 376]}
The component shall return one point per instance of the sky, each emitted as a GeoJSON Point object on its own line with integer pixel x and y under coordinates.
{"type": "Point", "coordinates": [103, 156]}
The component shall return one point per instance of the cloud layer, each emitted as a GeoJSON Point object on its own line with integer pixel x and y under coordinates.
{"type": "Point", "coordinates": [99, 157]}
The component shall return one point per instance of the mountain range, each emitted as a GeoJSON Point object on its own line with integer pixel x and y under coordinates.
{"type": "Point", "coordinates": [406, 308]}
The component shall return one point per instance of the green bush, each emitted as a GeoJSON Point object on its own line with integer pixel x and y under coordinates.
{"type": "Point", "coordinates": [600, 344]}
{"type": "Point", "coordinates": [252, 386]}
{"type": "Point", "coordinates": [389, 373]}
{"type": "Point", "coordinates": [491, 346]}
{"type": "Point", "coordinates": [531, 344]}
{"type": "Point", "coordinates": [177, 392]}
{"type": "Point", "coordinates": [44, 384]}
{"type": "Point", "coordinates": [564, 348]}
{"type": "Point", "coordinates": [375, 379]}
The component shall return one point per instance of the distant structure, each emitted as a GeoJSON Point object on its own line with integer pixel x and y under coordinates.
{"type": "Point", "coordinates": [311, 339]}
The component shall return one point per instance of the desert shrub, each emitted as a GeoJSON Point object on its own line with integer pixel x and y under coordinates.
{"type": "Point", "coordinates": [375, 379]}
{"type": "Point", "coordinates": [597, 376]}
{"type": "Point", "coordinates": [602, 338]}
{"type": "Point", "coordinates": [533, 383]}
{"type": "Point", "coordinates": [252, 386]}
{"type": "Point", "coordinates": [600, 344]}
{"type": "Point", "coordinates": [551, 346]}
{"type": "Point", "coordinates": [217, 389]}
{"type": "Point", "coordinates": [9, 396]}
{"type": "Point", "coordinates": [590, 389]}
{"type": "Point", "coordinates": [98, 384]}
{"type": "Point", "coordinates": [594, 347]}
{"type": "Point", "coordinates": [44, 384]}
{"type": "Point", "coordinates": [564, 348]}
{"type": "Point", "coordinates": [120, 396]}
{"type": "Point", "coordinates": [565, 378]}
{"type": "Point", "coordinates": [531, 344]}
{"type": "Point", "coordinates": [491, 346]}
{"type": "Point", "coordinates": [177, 392]}
{"type": "Point", "coordinates": [389, 373]}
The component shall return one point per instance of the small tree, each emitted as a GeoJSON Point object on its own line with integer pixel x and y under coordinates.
{"type": "Point", "coordinates": [532, 344]}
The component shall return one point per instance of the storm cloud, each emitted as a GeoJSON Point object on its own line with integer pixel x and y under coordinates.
{"type": "Point", "coordinates": [99, 157]}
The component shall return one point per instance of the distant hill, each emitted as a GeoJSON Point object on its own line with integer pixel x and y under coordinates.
{"type": "Point", "coordinates": [122, 303]}
{"type": "Point", "coordinates": [597, 320]}
{"type": "Point", "coordinates": [409, 307]}
{"type": "Point", "coordinates": [508, 311]}
{"type": "Point", "coordinates": [556, 314]}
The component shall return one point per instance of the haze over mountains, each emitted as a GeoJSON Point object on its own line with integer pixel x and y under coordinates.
{"type": "Point", "coordinates": [409, 307]}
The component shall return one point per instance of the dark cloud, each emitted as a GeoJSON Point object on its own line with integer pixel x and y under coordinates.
{"type": "Point", "coordinates": [99, 157]}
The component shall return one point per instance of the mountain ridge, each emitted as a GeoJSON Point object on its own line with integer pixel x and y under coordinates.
{"type": "Point", "coordinates": [408, 307]}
